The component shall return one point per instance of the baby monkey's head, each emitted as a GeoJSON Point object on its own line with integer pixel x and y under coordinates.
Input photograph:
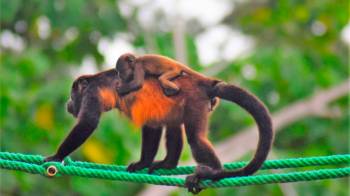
{"type": "Point", "coordinates": [125, 66]}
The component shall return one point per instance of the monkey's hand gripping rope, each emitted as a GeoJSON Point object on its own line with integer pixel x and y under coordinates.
{"type": "Point", "coordinates": [34, 164]}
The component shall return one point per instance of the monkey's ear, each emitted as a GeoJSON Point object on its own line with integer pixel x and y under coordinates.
{"type": "Point", "coordinates": [83, 83]}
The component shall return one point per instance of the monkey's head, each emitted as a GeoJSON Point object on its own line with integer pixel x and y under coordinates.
{"type": "Point", "coordinates": [76, 96]}
{"type": "Point", "coordinates": [125, 66]}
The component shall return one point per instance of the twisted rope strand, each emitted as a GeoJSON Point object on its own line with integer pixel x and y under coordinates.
{"type": "Point", "coordinates": [34, 164]}
{"type": "Point", "coordinates": [173, 181]}
{"type": "Point", "coordinates": [183, 170]}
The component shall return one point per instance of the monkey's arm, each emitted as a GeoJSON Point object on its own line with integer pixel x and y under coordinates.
{"type": "Point", "coordinates": [136, 83]}
{"type": "Point", "coordinates": [88, 119]}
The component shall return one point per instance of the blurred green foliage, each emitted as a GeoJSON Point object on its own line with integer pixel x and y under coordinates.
{"type": "Point", "coordinates": [290, 60]}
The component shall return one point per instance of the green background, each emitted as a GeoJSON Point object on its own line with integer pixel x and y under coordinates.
{"type": "Point", "coordinates": [291, 63]}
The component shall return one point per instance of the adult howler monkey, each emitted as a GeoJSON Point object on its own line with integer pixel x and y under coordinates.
{"type": "Point", "coordinates": [150, 108]}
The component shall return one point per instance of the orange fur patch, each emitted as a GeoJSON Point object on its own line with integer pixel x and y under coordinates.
{"type": "Point", "coordinates": [108, 98]}
{"type": "Point", "coordinates": [150, 104]}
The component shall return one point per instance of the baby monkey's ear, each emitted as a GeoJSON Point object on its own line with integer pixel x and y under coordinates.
{"type": "Point", "coordinates": [130, 58]}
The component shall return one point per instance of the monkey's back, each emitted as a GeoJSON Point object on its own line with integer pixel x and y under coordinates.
{"type": "Point", "coordinates": [157, 64]}
{"type": "Point", "coordinates": [149, 106]}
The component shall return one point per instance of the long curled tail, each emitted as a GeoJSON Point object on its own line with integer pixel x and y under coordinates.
{"type": "Point", "coordinates": [262, 117]}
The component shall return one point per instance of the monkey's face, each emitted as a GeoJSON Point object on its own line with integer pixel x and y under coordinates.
{"type": "Point", "coordinates": [125, 67]}
{"type": "Point", "coordinates": [76, 96]}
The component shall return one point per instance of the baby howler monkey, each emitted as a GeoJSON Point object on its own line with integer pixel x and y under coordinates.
{"type": "Point", "coordinates": [132, 71]}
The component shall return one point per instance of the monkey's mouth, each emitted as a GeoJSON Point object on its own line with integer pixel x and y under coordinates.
{"type": "Point", "coordinates": [70, 109]}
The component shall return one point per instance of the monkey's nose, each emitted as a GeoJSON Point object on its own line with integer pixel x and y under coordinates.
{"type": "Point", "coordinates": [69, 106]}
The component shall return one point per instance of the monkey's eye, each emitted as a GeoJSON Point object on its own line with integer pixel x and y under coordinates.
{"type": "Point", "coordinates": [74, 86]}
{"type": "Point", "coordinates": [130, 60]}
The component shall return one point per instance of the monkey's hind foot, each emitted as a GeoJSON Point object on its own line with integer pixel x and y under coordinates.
{"type": "Point", "coordinates": [192, 184]}
{"type": "Point", "coordinates": [161, 165]}
{"type": "Point", "coordinates": [137, 166]}
{"type": "Point", "coordinates": [202, 172]}
{"type": "Point", "coordinates": [170, 91]}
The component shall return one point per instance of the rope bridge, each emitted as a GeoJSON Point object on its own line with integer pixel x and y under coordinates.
{"type": "Point", "coordinates": [34, 164]}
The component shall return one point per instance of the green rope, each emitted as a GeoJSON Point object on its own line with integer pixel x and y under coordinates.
{"type": "Point", "coordinates": [34, 164]}
{"type": "Point", "coordinates": [182, 170]}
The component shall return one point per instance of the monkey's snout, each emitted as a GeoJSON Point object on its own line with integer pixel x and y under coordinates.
{"type": "Point", "coordinates": [70, 107]}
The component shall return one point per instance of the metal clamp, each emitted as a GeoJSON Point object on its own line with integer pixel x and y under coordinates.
{"type": "Point", "coordinates": [51, 171]}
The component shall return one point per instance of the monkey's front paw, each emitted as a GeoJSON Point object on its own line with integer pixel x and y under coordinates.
{"type": "Point", "coordinates": [53, 158]}
{"type": "Point", "coordinates": [192, 184]}
{"type": "Point", "coordinates": [161, 165]}
{"type": "Point", "coordinates": [137, 166]}
{"type": "Point", "coordinates": [122, 92]}
{"type": "Point", "coordinates": [171, 91]}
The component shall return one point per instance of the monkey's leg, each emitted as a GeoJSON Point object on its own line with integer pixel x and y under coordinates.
{"type": "Point", "coordinates": [169, 87]}
{"type": "Point", "coordinates": [174, 143]}
{"type": "Point", "coordinates": [150, 144]}
{"type": "Point", "coordinates": [196, 123]}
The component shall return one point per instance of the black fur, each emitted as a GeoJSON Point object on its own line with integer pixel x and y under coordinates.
{"type": "Point", "coordinates": [86, 107]}
{"type": "Point", "coordinates": [88, 118]}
